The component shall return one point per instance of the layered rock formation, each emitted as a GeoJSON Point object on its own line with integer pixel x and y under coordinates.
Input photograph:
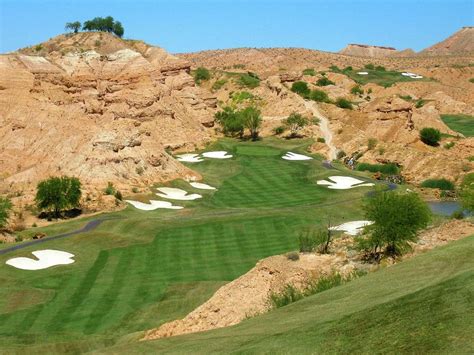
{"type": "Point", "coordinates": [99, 108]}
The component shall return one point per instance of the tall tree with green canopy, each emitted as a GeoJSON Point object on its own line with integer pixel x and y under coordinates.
{"type": "Point", "coordinates": [58, 193]}
{"type": "Point", "coordinates": [73, 26]}
{"type": "Point", "coordinates": [5, 207]}
{"type": "Point", "coordinates": [295, 122]}
{"type": "Point", "coordinates": [397, 219]}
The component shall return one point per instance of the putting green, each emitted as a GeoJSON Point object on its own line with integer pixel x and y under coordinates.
{"type": "Point", "coordinates": [150, 267]}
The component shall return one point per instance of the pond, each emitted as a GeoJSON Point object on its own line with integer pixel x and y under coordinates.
{"type": "Point", "coordinates": [444, 208]}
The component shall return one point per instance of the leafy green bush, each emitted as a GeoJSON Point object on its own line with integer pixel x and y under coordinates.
{"type": "Point", "coordinates": [295, 122]}
{"type": "Point", "coordinates": [334, 69]}
{"type": "Point", "coordinates": [340, 154]}
{"type": "Point", "coordinates": [347, 69]}
{"type": "Point", "coordinates": [369, 66]}
{"type": "Point", "coordinates": [406, 97]}
{"type": "Point", "coordinates": [309, 71]}
{"type": "Point", "coordinates": [249, 80]}
{"type": "Point", "coordinates": [58, 193]}
{"type": "Point", "coordinates": [430, 136]}
{"type": "Point", "coordinates": [357, 90]}
{"type": "Point", "coordinates": [420, 103]}
{"type": "Point", "coordinates": [300, 88]}
{"type": "Point", "coordinates": [449, 145]}
{"type": "Point", "coordinates": [389, 169]}
{"type": "Point", "coordinates": [110, 189]}
{"type": "Point", "coordinates": [201, 74]}
{"type": "Point", "coordinates": [471, 80]}
{"type": "Point", "coordinates": [289, 295]}
{"type": "Point", "coordinates": [319, 96]}
{"type": "Point", "coordinates": [241, 96]}
{"type": "Point", "coordinates": [380, 68]}
{"type": "Point", "coordinates": [231, 121]}
{"type": "Point", "coordinates": [343, 103]}
{"type": "Point", "coordinates": [279, 129]}
{"type": "Point", "coordinates": [218, 84]}
{"type": "Point", "coordinates": [321, 140]}
{"type": "Point", "coordinates": [442, 184]}
{"type": "Point", "coordinates": [309, 240]}
{"type": "Point", "coordinates": [458, 214]}
{"type": "Point", "coordinates": [324, 82]}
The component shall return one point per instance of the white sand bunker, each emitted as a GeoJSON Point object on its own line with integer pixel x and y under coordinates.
{"type": "Point", "coordinates": [294, 156]}
{"type": "Point", "coordinates": [199, 185]}
{"type": "Point", "coordinates": [220, 154]}
{"type": "Point", "coordinates": [153, 205]}
{"type": "Point", "coordinates": [190, 158]}
{"type": "Point", "coordinates": [412, 75]}
{"type": "Point", "coordinates": [46, 258]}
{"type": "Point", "coordinates": [352, 228]}
{"type": "Point", "coordinates": [363, 73]}
{"type": "Point", "coordinates": [176, 194]}
{"type": "Point", "coordinates": [342, 182]}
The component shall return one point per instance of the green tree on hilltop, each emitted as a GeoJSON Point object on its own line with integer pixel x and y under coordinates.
{"type": "Point", "coordinates": [73, 26]}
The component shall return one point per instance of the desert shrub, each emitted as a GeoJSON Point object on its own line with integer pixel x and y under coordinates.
{"type": "Point", "coordinates": [420, 103]}
{"type": "Point", "coordinates": [240, 96]}
{"type": "Point", "coordinates": [340, 154]}
{"type": "Point", "coordinates": [357, 90]}
{"type": "Point", "coordinates": [334, 69]}
{"type": "Point", "coordinates": [369, 66]}
{"type": "Point", "coordinates": [442, 184]}
{"type": "Point", "coordinates": [38, 47]}
{"type": "Point", "coordinates": [430, 136]}
{"type": "Point", "coordinates": [389, 169]}
{"type": "Point", "coordinates": [381, 150]}
{"type": "Point", "coordinates": [301, 88]}
{"type": "Point", "coordinates": [238, 66]}
{"type": "Point", "coordinates": [471, 80]}
{"type": "Point", "coordinates": [343, 103]}
{"type": "Point", "coordinates": [406, 97]}
{"type": "Point", "coordinates": [249, 80]}
{"type": "Point", "coordinates": [324, 82]}
{"type": "Point", "coordinates": [97, 43]}
{"type": "Point", "coordinates": [325, 283]}
{"type": "Point", "coordinates": [139, 170]}
{"type": "Point", "coordinates": [309, 71]}
{"type": "Point", "coordinates": [309, 240]}
{"type": "Point", "coordinates": [397, 219]}
{"type": "Point", "coordinates": [319, 96]}
{"type": "Point", "coordinates": [295, 122]}
{"type": "Point", "coordinates": [293, 256]}
{"type": "Point", "coordinates": [371, 143]}
{"type": "Point", "coordinates": [5, 208]}
{"type": "Point", "coordinates": [118, 195]}
{"type": "Point", "coordinates": [321, 140]}
{"type": "Point", "coordinates": [110, 189]}
{"type": "Point", "coordinates": [449, 145]}
{"type": "Point", "coordinates": [458, 214]}
{"type": "Point", "coordinates": [380, 68]}
{"type": "Point", "coordinates": [288, 295]}
{"type": "Point", "coordinates": [316, 121]}
{"type": "Point", "coordinates": [471, 158]}
{"type": "Point", "coordinates": [201, 74]}
{"type": "Point", "coordinates": [347, 69]}
{"type": "Point", "coordinates": [218, 84]}
{"type": "Point", "coordinates": [231, 121]}
{"type": "Point", "coordinates": [135, 190]}
{"type": "Point", "coordinates": [279, 129]}
{"type": "Point", "coordinates": [18, 238]}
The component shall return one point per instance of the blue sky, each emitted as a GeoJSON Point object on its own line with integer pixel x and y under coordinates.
{"type": "Point", "coordinates": [187, 25]}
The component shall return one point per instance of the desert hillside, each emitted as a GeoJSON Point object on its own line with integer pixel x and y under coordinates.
{"type": "Point", "coordinates": [99, 108]}
{"type": "Point", "coordinates": [460, 42]}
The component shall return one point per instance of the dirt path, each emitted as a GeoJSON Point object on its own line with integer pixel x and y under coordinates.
{"type": "Point", "coordinates": [324, 126]}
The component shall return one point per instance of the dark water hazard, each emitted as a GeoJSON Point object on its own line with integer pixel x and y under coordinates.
{"type": "Point", "coordinates": [444, 208]}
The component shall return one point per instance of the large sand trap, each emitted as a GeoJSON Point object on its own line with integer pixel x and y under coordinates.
{"type": "Point", "coordinates": [199, 185]}
{"type": "Point", "coordinates": [220, 154]}
{"type": "Point", "coordinates": [46, 258]}
{"type": "Point", "coordinates": [294, 156]}
{"type": "Point", "coordinates": [176, 194]}
{"type": "Point", "coordinates": [412, 75]}
{"type": "Point", "coordinates": [342, 183]}
{"type": "Point", "coordinates": [190, 158]}
{"type": "Point", "coordinates": [352, 228]}
{"type": "Point", "coordinates": [153, 205]}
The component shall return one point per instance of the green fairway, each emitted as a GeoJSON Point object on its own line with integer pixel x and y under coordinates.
{"type": "Point", "coordinates": [423, 305]}
{"type": "Point", "coordinates": [385, 78]}
{"type": "Point", "coordinates": [145, 268]}
{"type": "Point", "coordinates": [460, 123]}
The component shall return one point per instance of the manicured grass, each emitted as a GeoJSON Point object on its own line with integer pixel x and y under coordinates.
{"type": "Point", "coordinates": [145, 268]}
{"type": "Point", "coordinates": [383, 78]}
{"type": "Point", "coordinates": [422, 305]}
{"type": "Point", "coordinates": [461, 123]}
